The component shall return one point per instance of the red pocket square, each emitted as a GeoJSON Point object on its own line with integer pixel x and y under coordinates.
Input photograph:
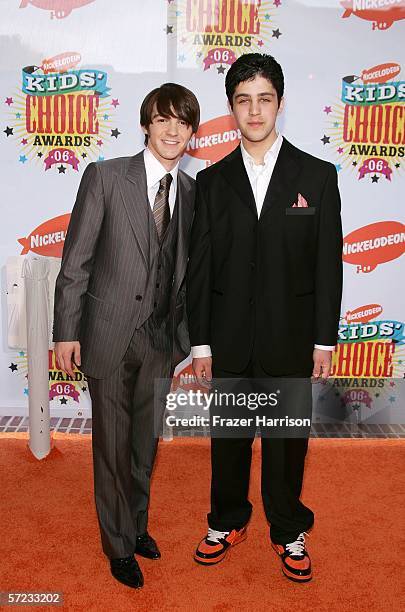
{"type": "Point", "coordinates": [302, 203]}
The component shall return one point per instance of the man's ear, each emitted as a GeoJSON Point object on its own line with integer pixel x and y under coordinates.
{"type": "Point", "coordinates": [281, 107]}
{"type": "Point", "coordinates": [230, 108]}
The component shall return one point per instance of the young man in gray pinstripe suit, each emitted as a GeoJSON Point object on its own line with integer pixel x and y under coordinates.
{"type": "Point", "coordinates": [119, 311]}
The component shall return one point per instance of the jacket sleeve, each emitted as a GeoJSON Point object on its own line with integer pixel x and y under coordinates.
{"type": "Point", "coordinates": [78, 255]}
{"type": "Point", "coordinates": [199, 272]}
{"type": "Point", "coordinates": [329, 271]}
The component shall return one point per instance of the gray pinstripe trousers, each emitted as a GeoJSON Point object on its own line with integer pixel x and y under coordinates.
{"type": "Point", "coordinates": [124, 442]}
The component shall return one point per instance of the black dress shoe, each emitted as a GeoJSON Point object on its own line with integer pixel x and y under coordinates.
{"type": "Point", "coordinates": [147, 547]}
{"type": "Point", "coordinates": [127, 571]}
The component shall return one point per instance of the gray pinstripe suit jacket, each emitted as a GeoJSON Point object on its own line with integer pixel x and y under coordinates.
{"type": "Point", "coordinates": [105, 264]}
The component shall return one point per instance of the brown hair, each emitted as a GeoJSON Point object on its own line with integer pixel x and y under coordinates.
{"type": "Point", "coordinates": [172, 100]}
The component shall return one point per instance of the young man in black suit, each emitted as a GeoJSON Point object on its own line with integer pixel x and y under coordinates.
{"type": "Point", "coordinates": [264, 288]}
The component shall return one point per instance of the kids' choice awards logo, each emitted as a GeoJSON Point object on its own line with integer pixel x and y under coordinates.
{"type": "Point", "coordinates": [62, 116]}
{"type": "Point", "coordinates": [374, 244]}
{"type": "Point", "coordinates": [214, 33]}
{"type": "Point", "coordinates": [214, 139]}
{"type": "Point", "coordinates": [381, 13]}
{"type": "Point", "coordinates": [366, 129]}
{"type": "Point", "coordinates": [369, 347]}
{"type": "Point", "coordinates": [48, 238]}
{"type": "Point", "coordinates": [64, 391]}
{"type": "Point", "coordinates": [58, 9]}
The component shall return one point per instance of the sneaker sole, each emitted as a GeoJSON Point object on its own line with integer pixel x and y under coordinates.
{"type": "Point", "coordinates": [216, 560]}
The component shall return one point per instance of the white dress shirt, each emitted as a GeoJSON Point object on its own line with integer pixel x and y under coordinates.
{"type": "Point", "coordinates": [154, 173]}
{"type": "Point", "coordinates": [260, 174]}
{"type": "Point", "coordinates": [259, 178]}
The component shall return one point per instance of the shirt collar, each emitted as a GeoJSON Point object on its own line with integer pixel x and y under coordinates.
{"type": "Point", "coordinates": [155, 171]}
{"type": "Point", "coordinates": [271, 153]}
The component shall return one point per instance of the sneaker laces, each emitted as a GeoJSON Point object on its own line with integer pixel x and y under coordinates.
{"type": "Point", "coordinates": [215, 536]}
{"type": "Point", "coordinates": [297, 548]}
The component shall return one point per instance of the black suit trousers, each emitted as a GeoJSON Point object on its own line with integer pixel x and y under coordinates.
{"type": "Point", "coordinates": [281, 479]}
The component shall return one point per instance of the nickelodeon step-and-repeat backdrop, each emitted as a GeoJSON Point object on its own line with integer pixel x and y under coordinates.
{"type": "Point", "coordinates": [73, 75]}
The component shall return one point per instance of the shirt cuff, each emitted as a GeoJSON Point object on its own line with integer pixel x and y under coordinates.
{"type": "Point", "coordinates": [323, 347]}
{"type": "Point", "coordinates": [203, 350]}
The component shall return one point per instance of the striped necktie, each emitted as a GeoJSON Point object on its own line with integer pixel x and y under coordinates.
{"type": "Point", "coordinates": [161, 209]}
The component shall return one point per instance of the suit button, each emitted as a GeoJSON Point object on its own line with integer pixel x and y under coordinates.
{"type": "Point", "coordinates": [157, 285]}
{"type": "Point", "coordinates": [138, 298]}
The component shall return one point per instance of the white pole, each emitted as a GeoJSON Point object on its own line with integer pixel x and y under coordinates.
{"type": "Point", "coordinates": [35, 273]}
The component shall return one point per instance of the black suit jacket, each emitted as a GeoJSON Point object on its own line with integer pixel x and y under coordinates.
{"type": "Point", "coordinates": [274, 283]}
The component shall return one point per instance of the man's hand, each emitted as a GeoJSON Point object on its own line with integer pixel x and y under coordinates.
{"type": "Point", "coordinates": [64, 352]}
{"type": "Point", "coordinates": [202, 368]}
{"type": "Point", "coordinates": [322, 363]}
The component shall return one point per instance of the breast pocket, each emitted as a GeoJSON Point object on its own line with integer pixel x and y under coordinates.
{"type": "Point", "coordinates": [300, 211]}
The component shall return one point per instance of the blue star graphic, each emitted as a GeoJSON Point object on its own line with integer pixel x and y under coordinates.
{"type": "Point", "coordinates": [100, 158]}
{"type": "Point", "coordinates": [338, 167]}
{"type": "Point", "coordinates": [267, 17]}
{"type": "Point", "coordinates": [21, 354]}
{"type": "Point", "coordinates": [23, 159]}
{"type": "Point", "coordinates": [26, 391]}
{"type": "Point", "coordinates": [18, 115]}
{"type": "Point", "coordinates": [178, 13]}
{"type": "Point", "coordinates": [105, 117]}
{"type": "Point", "coordinates": [336, 124]}
{"type": "Point", "coordinates": [182, 58]}
{"type": "Point", "coordinates": [392, 399]}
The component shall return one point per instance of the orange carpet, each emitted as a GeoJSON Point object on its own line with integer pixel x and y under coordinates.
{"type": "Point", "coordinates": [50, 540]}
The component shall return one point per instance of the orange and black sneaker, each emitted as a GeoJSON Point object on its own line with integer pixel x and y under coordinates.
{"type": "Point", "coordinates": [214, 547]}
{"type": "Point", "coordinates": [296, 564]}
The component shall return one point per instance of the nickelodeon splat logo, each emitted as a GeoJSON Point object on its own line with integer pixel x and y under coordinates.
{"type": "Point", "coordinates": [365, 131]}
{"type": "Point", "coordinates": [64, 115]}
{"type": "Point", "coordinates": [381, 13]}
{"type": "Point", "coordinates": [215, 32]}
{"type": "Point", "coordinates": [48, 238]}
{"type": "Point", "coordinates": [58, 8]}
{"type": "Point", "coordinates": [363, 314]}
{"type": "Point", "coordinates": [369, 347]}
{"type": "Point", "coordinates": [214, 139]}
{"type": "Point", "coordinates": [374, 244]}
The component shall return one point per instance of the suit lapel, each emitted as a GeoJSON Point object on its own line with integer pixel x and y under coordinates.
{"type": "Point", "coordinates": [233, 169]}
{"type": "Point", "coordinates": [134, 192]}
{"type": "Point", "coordinates": [185, 203]}
{"type": "Point", "coordinates": [282, 187]}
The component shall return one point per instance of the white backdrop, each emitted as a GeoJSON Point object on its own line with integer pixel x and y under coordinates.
{"type": "Point", "coordinates": [344, 96]}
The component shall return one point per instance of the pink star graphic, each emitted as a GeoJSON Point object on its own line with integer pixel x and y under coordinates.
{"type": "Point", "coordinates": [99, 142]}
{"type": "Point", "coordinates": [277, 3]}
{"type": "Point", "coordinates": [115, 103]}
{"type": "Point", "coordinates": [24, 141]}
{"type": "Point", "coordinates": [260, 43]}
{"type": "Point", "coordinates": [9, 101]}
{"type": "Point", "coordinates": [340, 150]}
{"type": "Point", "coordinates": [327, 109]}
{"type": "Point", "coordinates": [392, 384]}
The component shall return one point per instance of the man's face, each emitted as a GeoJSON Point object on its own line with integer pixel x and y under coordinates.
{"type": "Point", "coordinates": [255, 108]}
{"type": "Point", "coordinates": [168, 137]}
